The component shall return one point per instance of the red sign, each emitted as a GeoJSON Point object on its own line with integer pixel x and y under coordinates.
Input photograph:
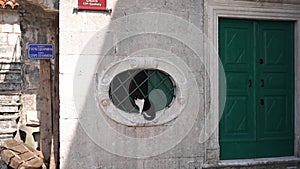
{"type": "Point", "coordinates": [92, 5]}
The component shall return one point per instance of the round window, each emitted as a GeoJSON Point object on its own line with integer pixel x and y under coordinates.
{"type": "Point", "coordinates": [142, 91]}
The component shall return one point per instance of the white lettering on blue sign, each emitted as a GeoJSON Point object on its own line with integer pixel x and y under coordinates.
{"type": "Point", "coordinates": [40, 51]}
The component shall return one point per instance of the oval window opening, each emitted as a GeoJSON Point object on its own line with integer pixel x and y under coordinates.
{"type": "Point", "coordinates": [142, 91]}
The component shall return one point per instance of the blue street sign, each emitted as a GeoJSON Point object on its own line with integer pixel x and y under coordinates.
{"type": "Point", "coordinates": [40, 51]}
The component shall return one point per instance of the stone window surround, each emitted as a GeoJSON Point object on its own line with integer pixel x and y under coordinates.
{"type": "Point", "coordinates": [179, 74]}
{"type": "Point", "coordinates": [246, 9]}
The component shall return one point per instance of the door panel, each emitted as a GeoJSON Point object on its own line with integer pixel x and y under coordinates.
{"type": "Point", "coordinates": [274, 80]}
{"type": "Point", "coordinates": [275, 125]}
{"type": "Point", "coordinates": [257, 57]}
{"type": "Point", "coordinates": [238, 121]}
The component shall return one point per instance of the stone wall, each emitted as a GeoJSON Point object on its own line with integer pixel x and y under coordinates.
{"type": "Point", "coordinates": [10, 36]}
{"type": "Point", "coordinates": [10, 51]}
{"type": "Point", "coordinates": [10, 74]}
{"type": "Point", "coordinates": [95, 46]}
{"type": "Point", "coordinates": [47, 5]}
{"type": "Point", "coordinates": [34, 23]}
{"type": "Point", "coordinates": [39, 27]}
{"type": "Point", "coordinates": [88, 51]}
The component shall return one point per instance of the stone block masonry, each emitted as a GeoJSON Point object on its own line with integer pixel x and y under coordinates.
{"type": "Point", "coordinates": [9, 115]}
{"type": "Point", "coordinates": [82, 36]}
{"type": "Point", "coordinates": [10, 75]}
{"type": "Point", "coordinates": [95, 45]}
{"type": "Point", "coordinates": [10, 36]}
{"type": "Point", "coordinates": [31, 24]}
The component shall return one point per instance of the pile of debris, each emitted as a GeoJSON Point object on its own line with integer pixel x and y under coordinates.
{"type": "Point", "coordinates": [18, 155]}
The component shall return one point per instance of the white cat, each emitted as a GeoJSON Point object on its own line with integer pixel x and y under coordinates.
{"type": "Point", "coordinates": [140, 104]}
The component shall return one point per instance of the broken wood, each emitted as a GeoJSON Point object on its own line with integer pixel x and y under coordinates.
{"type": "Point", "coordinates": [45, 109]}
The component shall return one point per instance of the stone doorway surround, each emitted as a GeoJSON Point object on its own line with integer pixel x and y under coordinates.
{"type": "Point", "coordinates": [282, 10]}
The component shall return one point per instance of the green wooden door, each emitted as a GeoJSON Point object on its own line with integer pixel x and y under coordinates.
{"type": "Point", "coordinates": [258, 61]}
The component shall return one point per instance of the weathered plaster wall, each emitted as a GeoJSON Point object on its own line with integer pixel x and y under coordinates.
{"type": "Point", "coordinates": [39, 27]}
{"type": "Point", "coordinates": [47, 5]}
{"type": "Point", "coordinates": [83, 56]}
{"type": "Point", "coordinates": [36, 27]}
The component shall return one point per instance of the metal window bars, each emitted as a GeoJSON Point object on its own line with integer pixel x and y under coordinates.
{"type": "Point", "coordinates": [154, 86]}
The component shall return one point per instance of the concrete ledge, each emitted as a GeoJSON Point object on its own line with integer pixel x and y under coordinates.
{"type": "Point", "coordinates": [290, 162]}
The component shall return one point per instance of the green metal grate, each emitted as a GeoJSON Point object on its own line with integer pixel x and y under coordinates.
{"type": "Point", "coordinates": [154, 86]}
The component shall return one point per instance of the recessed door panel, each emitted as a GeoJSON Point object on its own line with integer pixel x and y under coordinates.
{"type": "Point", "coordinates": [275, 126]}
{"type": "Point", "coordinates": [238, 121]}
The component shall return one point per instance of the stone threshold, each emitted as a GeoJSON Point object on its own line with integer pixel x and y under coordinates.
{"type": "Point", "coordinates": [292, 160]}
